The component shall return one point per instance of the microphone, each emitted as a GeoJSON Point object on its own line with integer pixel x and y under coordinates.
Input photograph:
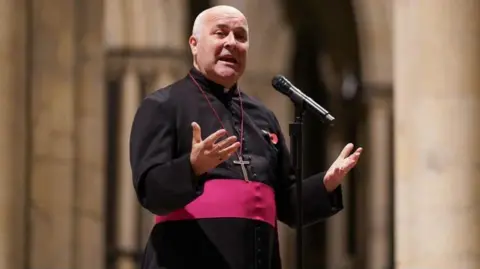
{"type": "Point", "coordinates": [281, 84]}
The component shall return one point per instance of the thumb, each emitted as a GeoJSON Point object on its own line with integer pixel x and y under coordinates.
{"type": "Point", "coordinates": [197, 133]}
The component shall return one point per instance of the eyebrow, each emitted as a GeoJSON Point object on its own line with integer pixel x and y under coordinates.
{"type": "Point", "coordinates": [222, 25]}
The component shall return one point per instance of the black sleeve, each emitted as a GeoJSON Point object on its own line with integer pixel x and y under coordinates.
{"type": "Point", "coordinates": [318, 203]}
{"type": "Point", "coordinates": [162, 183]}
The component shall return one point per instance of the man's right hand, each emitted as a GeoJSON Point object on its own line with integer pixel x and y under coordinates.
{"type": "Point", "coordinates": [208, 154]}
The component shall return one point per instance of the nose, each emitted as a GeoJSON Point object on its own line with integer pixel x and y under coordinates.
{"type": "Point", "coordinates": [230, 40]}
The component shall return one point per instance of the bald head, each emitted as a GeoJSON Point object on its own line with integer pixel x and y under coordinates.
{"type": "Point", "coordinates": [200, 20]}
{"type": "Point", "coordinates": [219, 44]}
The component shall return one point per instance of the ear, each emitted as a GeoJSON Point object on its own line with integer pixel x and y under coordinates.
{"type": "Point", "coordinates": [192, 41]}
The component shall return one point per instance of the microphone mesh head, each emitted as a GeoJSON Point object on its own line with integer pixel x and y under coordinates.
{"type": "Point", "coordinates": [280, 83]}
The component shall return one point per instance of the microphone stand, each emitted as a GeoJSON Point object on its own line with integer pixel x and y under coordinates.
{"type": "Point", "coordinates": [296, 147]}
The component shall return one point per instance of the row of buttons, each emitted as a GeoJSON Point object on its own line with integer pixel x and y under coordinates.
{"type": "Point", "coordinates": [237, 128]}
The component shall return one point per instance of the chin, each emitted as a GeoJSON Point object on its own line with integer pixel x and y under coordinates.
{"type": "Point", "coordinates": [227, 72]}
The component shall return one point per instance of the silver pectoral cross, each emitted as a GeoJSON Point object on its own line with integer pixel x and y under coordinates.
{"type": "Point", "coordinates": [242, 163]}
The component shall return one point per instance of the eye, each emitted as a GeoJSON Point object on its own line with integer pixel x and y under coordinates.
{"type": "Point", "coordinates": [241, 37]}
{"type": "Point", "coordinates": [220, 34]}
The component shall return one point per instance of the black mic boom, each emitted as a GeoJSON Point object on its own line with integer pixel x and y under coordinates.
{"type": "Point", "coordinates": [281, 84]}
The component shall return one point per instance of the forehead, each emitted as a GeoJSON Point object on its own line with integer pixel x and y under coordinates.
{"type": "Point", "coordinates": [227, 19]}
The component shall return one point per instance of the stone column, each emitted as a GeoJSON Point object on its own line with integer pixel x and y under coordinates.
{"type": "Point", "coordinates": [135, 23]}
{"type": "Point", "coordinates": [127, 204]}
{"type": "Point", "coordinates": [437, 130]}
{"type": "Point", "coordinates": [379, 200]}
{"type": "Point", "coordinates": [53, 134]}
{"type": "Point", "coordinates": [151, 24]}
{"type": "Point", "coordinates": [12, 134]}
{"type": "Point", "coordinates": [90, 138]}
{"type": "Point", "coordinates": [375, 23]}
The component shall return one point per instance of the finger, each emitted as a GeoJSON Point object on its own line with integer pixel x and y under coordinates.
{"type": "Point", "coordinates": [197, 133]}
{"type": "Point", "coordinates": [356, 155]}
{"type": "Point", "coordinates": [225, 143]}
{"type": "Point", "coordinates": [225, 154]}
{"type": "Point", "coordinates": [349, 165]}
{"type": "Point", "coordinates": [229, 150]}
{"type": "Point", "coordinates": [346, 151]}
{"type": "Point", "coordinates": [214, 151]}
{"type": "Point", "coordinates": [214, 137]}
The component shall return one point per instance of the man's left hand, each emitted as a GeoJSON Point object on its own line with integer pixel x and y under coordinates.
{"type": "Point", "coordinates": [340, 167]}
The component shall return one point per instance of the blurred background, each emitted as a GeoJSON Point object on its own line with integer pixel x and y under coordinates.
{"type": "Point", "coordinates": [400, 76]}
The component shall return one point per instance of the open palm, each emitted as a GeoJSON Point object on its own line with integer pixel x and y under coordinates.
{"type": "Point", "coordinates": [341, 166]}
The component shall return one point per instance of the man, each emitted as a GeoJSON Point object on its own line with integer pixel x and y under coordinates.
{"type": "Point", "coordinates": [212, 164]}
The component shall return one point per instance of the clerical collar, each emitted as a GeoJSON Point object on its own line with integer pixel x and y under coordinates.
{"type": "Point", "coordinates": [210, 86]}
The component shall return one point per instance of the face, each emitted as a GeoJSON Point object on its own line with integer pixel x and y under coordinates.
{"type": "Point", "coordinates": [221, 49]}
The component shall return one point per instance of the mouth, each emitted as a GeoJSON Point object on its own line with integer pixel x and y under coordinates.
{"type": "Point", "coordinates": [228, 59]}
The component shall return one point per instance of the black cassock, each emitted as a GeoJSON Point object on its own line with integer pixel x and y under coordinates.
{"type": "Point", "coordinates": [216, 220]}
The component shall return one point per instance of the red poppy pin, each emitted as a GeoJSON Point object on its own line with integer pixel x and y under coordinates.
{"type": "Point", "coordinates": [273, 137]}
